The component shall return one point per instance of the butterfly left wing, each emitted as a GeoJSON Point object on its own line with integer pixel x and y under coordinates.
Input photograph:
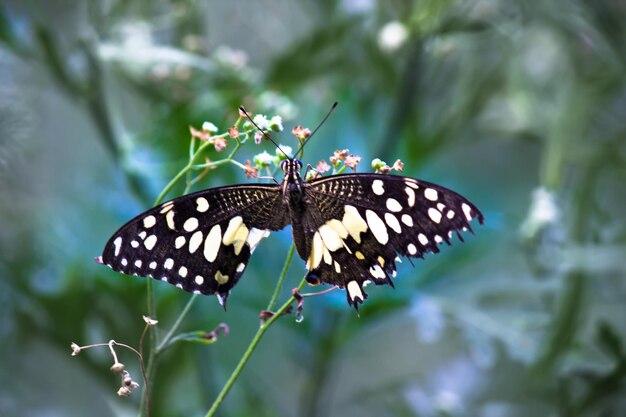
{"type": "Point", "coordinates": [200, 242]}
{"type": "Point", "coordinates": [356, 225]}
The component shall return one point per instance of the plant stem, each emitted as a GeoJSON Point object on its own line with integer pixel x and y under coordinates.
{"type": "Point", "coordinates": [251, 347]}
{"type": "Point", "coordinates": [281, 278]}
{"type": "Point", "coordinates": [164, 343]}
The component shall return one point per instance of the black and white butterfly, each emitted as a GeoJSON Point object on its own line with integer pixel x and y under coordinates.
{"type": "Point", "coordinates": [349, 229]}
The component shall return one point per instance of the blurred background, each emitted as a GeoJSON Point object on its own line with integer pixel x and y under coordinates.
{"type": "Point", "coordinates": [517, 105]}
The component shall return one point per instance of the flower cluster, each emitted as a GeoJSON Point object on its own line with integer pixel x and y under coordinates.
{"type": "Point", "coordinates": [206, 135]}
{"type": "Point", "coordinates": [381, 167]}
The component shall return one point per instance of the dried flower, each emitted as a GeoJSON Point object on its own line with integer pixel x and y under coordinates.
{"type": "Point", "coordinates": [117, 367]}
{"type": "Point", "coordinates": [75, 349]}
{"type": "Point", "coordinates": [203, 135]}
{"type": "Point", "coordinates": [301, 132]}
{"type": "Point", "coordinates": [209, 127]}
{"type": "Point", "coordinates": [250, 171]}
{"type": "Point", "coordinates": [127, 385]}
{"type": "Point", "coordinates": [233, 132]}
{"type": "Point", "coordinates": [351, 161]}
{"type": "Point", "coordinates": [220, 143]}
{"type": "Point", "coordinates": [149, 321]}
{"type": "Point", "coordinates": [398, 165]}
{"type": "Point", "coordinates": [341, 154]}
{"type": "Point", "coordinates": [258, 137]}
{"type": "Point", "coordinates": [322, 166]}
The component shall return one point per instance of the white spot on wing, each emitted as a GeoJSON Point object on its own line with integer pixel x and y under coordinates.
{"type": "Point", "coordinates": [124, 262]}
{"type": "Point", "coordinates": [134, 244]}
{"type": "Point", "coordinates": [410, 196]}
{"type": "Point", "coordinates": [153, 265]}
{"type": "Point", "coordinates": [467, 210]}
{"type": "Point", "coordinates": [412, 249]}
{"type": "Point", "coordinates": [377, 272]}
{"type": "Point", "coordinates": [438, 239]}
{"type": "Point", "coordinates": [236, 234]}
{"type": "Point", "coordinates": [377, 187]}
{"type": "Point", "coordinates": [354, 290]}
{"type": "Point", "coordinates": [149, 221]}
{"type": "Point", "coordinates": [330, 238]}
{"type": "Point", "coordinates": [142, 235]}
{"type": "Point", "coordinates": [167, 206]}
{"type": "Point", "coordinates": [199, 279]}
{"type": "Point", "coordinates": [411, 183]}
{"type": "Point", "coordinates": [408, 220]}
{"type": "Point", "coordinates": [423, 239]}
{"type": "Point", "coordinates": [392, 222]}
{"type": "Point", "coordinates": [241, 267]}
{"type": "Point", "coordinates": [431, 194]}
{"type": "Point", "coordinates": [255, 236]}
{"type": "Point", "coordinates": [180, 242]}
{"type": "Point", "coordinates": [434, 214]}
{"type": "Point", "coordinates": [169, 218]}
{"type": "Point", "coordinates": [378, 228]}
{"type": "Point", "coordinates": [212, 243]}
{"type": "Point", "coordinates": [138, 263]}
{"type": "Point", "coordinates": [168, 264]}
{"type": "Point", "coordinates": [317, 251]}
{"type": "Point", "coordinates": [150, 242]}
{"type": "Point", "coordinates": [203, 204]}
{"type": "Point", "coordinates": [353, 222]}
{"type": "Point", "coordinates": [450, 214]}
{"type": "Point", "coordinates": [182, 271]}
{"type": "Point", "coordinates": [194, 242]}
{"type": "Point", "coordinates": [117, 243]}
{"type": "Point", "coordinates": [393, 205]}
{"type": "Point", "coordinates": [191, 224]}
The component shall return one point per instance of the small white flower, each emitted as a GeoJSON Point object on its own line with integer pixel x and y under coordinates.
{"type": "Point", "coordinates": [150, 321]}
{"type": "Point", "coordinates": [263, 159]}
{"type": "Point", "coordinates": [288, 150]}
{"type": "Point", "coordinates": [262, 122]}
{"type": "Point", "coordinates": [276, 123]}
{"type": "Point", "coordinates": [209, 127]}
{"type": "Point", "coordinates": [392, 36]}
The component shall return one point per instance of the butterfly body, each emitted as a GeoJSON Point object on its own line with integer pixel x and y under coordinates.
{"type": "Point", "coordinates": [349, 229]}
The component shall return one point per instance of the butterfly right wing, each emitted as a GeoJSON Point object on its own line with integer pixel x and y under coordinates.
{"type": "Point", "coordinates": [200, 242]}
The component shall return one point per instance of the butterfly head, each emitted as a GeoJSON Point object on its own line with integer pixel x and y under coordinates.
{"type": "Point", "coordinates": [291, 166]}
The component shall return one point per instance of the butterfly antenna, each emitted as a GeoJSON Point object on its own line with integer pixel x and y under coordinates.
{"type": "Point", "coordinates": [268, 137]}
{"type": "Point", "coordinates": [318, 126]}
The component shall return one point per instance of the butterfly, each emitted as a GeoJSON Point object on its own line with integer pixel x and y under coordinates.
{"type": "Point", "coordinates": [350, 230]}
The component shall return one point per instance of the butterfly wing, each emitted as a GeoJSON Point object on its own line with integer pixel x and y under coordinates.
{"type": "Point", "coordinates": [357, 225]}
{"type": "Point", "coordinates": [200, 242]}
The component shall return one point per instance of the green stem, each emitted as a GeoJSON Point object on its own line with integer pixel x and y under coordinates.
{"type": "Point", "coordinates": [251, 347]}
{"type": "Point", "coordinates": [164, 343]}
{"type": "Point", "coordinates": [281, 278]}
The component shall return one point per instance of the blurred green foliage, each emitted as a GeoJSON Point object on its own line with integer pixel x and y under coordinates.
{"type": "Point", "coordinates": [518, 105]}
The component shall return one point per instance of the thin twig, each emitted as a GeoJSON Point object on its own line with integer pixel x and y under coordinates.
{"type": "Point", "coordinates": [251, 347]}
